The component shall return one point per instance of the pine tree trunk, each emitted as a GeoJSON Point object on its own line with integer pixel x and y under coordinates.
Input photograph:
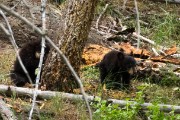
{"type": "Point", "coordinates": [56, 75]}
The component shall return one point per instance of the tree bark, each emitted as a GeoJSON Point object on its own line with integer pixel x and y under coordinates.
{"type": "Point", "coordinates": [56, 75]}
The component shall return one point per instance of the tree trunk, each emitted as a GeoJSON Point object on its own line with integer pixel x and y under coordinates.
{"type": "Point", "coordinates": [56, 75]}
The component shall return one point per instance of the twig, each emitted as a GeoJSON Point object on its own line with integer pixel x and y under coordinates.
{"type": "Point", "coordinates": [100, 16]}
{"type": "Point", "coordinates": [51, 94]}
{"type": "Point", "coordinates": [16, 4]}
{"type": "Point", "coordinates": [29, 8]}
{"type": "Point", "coordinates": [3, 7]}
{"type": "Point", "coordinates": [9, 27]}
{"type": "Point", "coordinates": [143, 38]}
{"type": "Point", "coordinates": [155, 52]}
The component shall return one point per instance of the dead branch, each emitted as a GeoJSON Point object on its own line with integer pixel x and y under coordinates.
{"type": "Point", "coordinates": [176, 55]}
{"type": "Point", "coordinates": [100, 16]}
{"type": "Point", "coordinates": [50, 94]}
{"type": "Point", "coordinates": [171, 1]}
{"type": "Point", "coordinates": [9, 27]}
{"type": "Point", "coordinates": [143, 38]}
{"type": "Point", "coordinates": [6, 112]}
{"type": "Point", "coordinates": [29, 8]}
{"type": "Point", "coordinates": [155, 52]}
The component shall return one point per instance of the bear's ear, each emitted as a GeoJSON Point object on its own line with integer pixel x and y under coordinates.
{"type": "Point", "coordinates": [120, 55]}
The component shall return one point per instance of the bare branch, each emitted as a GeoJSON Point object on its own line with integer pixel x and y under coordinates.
{"type": "Point", "coordinates": [143, 38]}
{"type": "Point", "coordinates": [29, 8]}
{"type": "Point", "coordinates": [155, 52]}
{"type": "Point", "coordinates": [16, 4]}
{"type": "Point", "coordinates": [170, 1]}
{"type": "Point", "coordinates": [100, 16]}
{"type": "Point", "coordinates": [9, 27]}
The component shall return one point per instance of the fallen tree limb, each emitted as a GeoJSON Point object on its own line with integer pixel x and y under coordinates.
{"type": "Point", "coordinates": [171, 1]}
{"type": "Point", "coordinates": [100, 16]}
{"type": "Point", "coordinates": [51, 94]}
{"type": "Point", "coordinates": [143, 38]}
{"type": "Point", "coordinates": [5, 111]}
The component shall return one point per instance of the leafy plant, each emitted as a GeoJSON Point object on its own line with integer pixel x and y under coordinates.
{"type": "Point", "coordinates": [90, 72]}
{"type": "Point", "coordinates": [104, 110]}
{"type": "Point", "coordinates": [154, 113]}
{"type": "Point", "coordinates": [107, 111]}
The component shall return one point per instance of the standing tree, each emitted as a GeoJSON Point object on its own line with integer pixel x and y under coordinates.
{"type": "Point", "coordinates": [56, 74]}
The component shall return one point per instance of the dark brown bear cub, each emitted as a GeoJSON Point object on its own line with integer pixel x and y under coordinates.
{"type": "Point", "coordinates": [116, 69]}
{"type": "Point", "coordinates": [30, 56]}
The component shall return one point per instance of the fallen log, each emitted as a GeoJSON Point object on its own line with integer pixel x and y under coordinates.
{"type": "Point", "coordinates": [170, 1]}
{"type": "Point", "coordinates": [6, 112]}
{"type": "Point", "coordinates": [70, 96]}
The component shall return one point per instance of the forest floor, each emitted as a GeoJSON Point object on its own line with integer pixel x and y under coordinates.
{"type": "Point", "coordinates": [159, 22]}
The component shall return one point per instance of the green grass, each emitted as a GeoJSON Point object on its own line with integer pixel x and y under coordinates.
{"type": "Point", "coordinates": [166, 29]}
{"type": "Point", "coordinates": [58, 108]}
{"type": "Point", "coordinates": [165, 91]}
{"type": "Point", "coordinates": [107, 111]}
{"type": "Point", "coordinates": [90, 72]}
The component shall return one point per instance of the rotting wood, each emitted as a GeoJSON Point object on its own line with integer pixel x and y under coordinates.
{"type": "Point", "coordinates": [51, 94]}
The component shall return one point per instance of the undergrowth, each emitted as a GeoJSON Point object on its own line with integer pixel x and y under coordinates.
{"type": "Point", "coordinates": [105, 110]}
{"type": "Point", "coordinates": [165, 91]}
{"type": "Point", "coordinates": [166, 29]}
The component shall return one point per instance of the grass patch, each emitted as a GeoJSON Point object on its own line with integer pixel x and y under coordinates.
{"type": "Point", "coordinates": [166, 29]}
{"type": "Point", "coordinates": [59, 108]}
{"type": "Point", "coordinates": [165, 77]}
{"type": "Point", "coordinates": [90, 72]}
{"type": "Point", "coordinates": [6, 61]}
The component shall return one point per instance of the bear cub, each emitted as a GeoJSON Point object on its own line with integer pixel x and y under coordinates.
{"type": "Point", "coordinates": [116, 69]}
{"type": "Point", "coordinates": [30, 56]}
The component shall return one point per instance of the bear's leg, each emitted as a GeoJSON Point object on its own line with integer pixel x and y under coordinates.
{"type": "Point", "coordinates": [126, 77]}
{"type": "Point", "coordinates": [18, 79]}
{"type": "Point", "coordinates": [103, 74]}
